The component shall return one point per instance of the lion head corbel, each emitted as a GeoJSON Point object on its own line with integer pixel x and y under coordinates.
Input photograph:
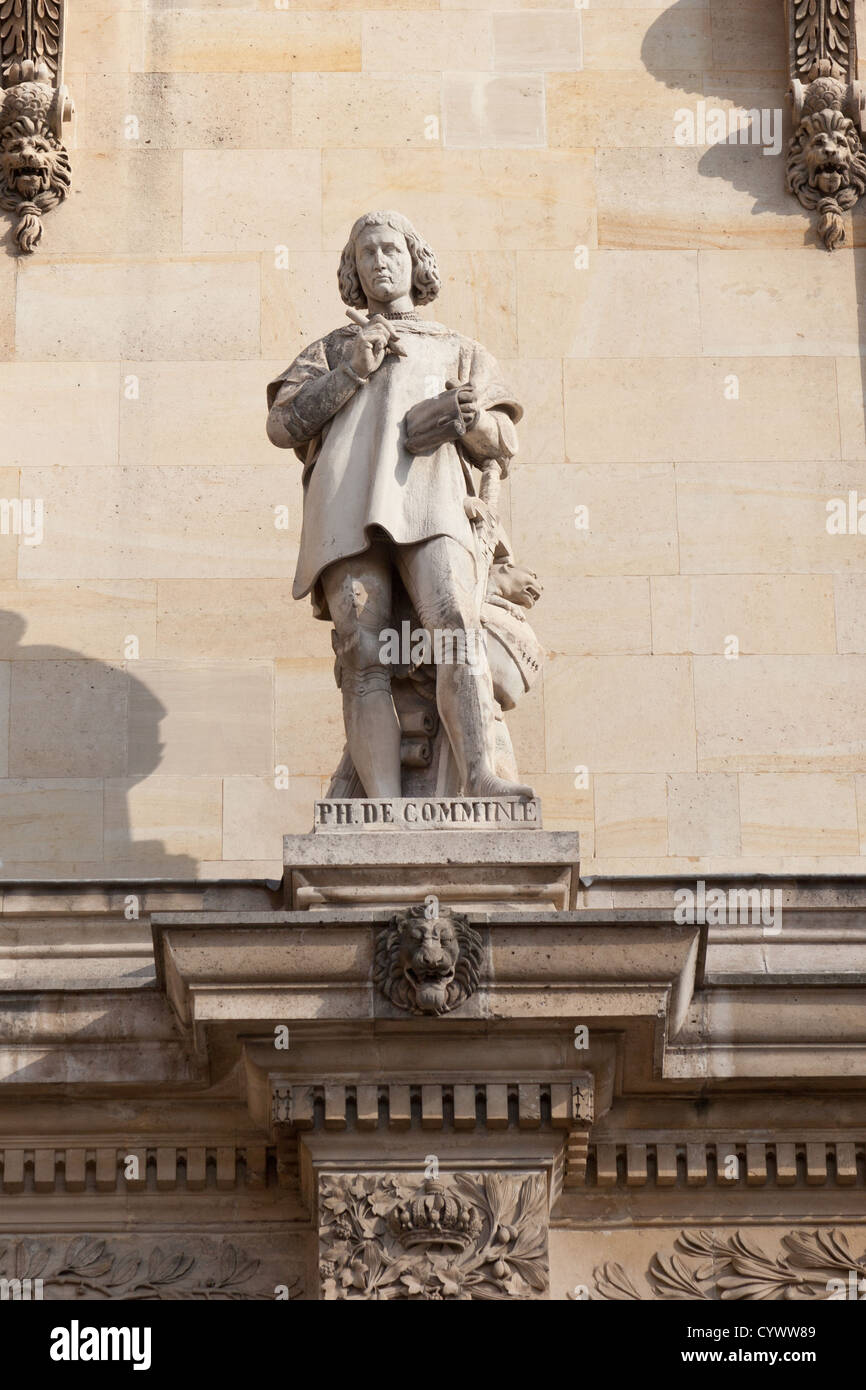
{"type": "Point", "coordinates": [34, 166]}
{"type": "Point", "coordinates": [826, 163]}
{"type": "Point", "coordinates": [428, 962]}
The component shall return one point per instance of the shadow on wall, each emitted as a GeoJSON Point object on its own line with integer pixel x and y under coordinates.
{"type": "Point", "coordinates": [82, 734]}
{"type": "Point", "coordinates": [749, 70]}
{"type": "Point", "coordinates": [737, 157]}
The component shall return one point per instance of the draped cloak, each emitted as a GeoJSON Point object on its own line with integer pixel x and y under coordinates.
{"type": "Point", "coordinates": [358, 476]}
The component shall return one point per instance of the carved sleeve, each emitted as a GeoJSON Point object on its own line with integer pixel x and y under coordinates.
{"type": "Point", "coordinates": [306, 396]}
{"type": "Point", "coordinates": [494, 435]}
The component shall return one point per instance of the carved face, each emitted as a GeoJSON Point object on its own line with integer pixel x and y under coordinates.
{"type": "Point", "coordinates": [384, 264]}
{"type": "Point", "coordinates": [826, 169]}
{"type": "Point", "coordinates": [827, 157]}
{"type": "Point", "coordinates": [428, 959]}
{"type": "Point", "coordinates": [515, 583]}
{"type": "Point", "coordinates": [28, 163]}
{"type": "Point", "coordinates": [428, 965]}
{"type": "Point", "coordinates": [825, 160]}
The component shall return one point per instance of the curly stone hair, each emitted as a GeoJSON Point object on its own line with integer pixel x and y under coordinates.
{"type": "Point", "coordinates": [426, 281]}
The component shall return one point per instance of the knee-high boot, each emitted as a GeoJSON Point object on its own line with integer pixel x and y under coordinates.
{"type": "Point", "coordinates": [372, 730]}
{"type": "Point", "coordinates": [464, 695]}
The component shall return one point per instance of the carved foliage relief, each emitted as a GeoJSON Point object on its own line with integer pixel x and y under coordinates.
{"type": "Point", "coordinates": [820, 29]}
{"type": "Point", "coordinates": [93, 1267]}
{"type": "Point", "coordinates": [709, 1265]}
{"type": "Point", "coordinates": [31, 29]}
{"type": "Point", "coordinates": [460, 1237]}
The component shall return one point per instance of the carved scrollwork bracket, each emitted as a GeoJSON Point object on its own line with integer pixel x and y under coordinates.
{"type": "Point", "coordinates": [34, 104]}
{"type": "Point", "coordinates": [825, 161]}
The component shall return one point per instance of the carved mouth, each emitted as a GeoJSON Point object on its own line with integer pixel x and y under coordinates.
{"type": "Point", "coordinates": [432, 974]}
{"type": "Point", "coordinates": [829, 177]}
{"type": "Point", "coordinates": [27, 179]}
{"type": "Point", "coordinates": [431, 988]}
{"type": "Point", "coordinates": [830, 164]}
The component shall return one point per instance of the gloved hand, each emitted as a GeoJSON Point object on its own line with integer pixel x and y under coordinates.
{"type": "Point", "coordinates": [441, 419]}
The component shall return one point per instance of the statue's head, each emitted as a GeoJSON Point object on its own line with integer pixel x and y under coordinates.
{"type": "Point", "coordinates": [384, 260]}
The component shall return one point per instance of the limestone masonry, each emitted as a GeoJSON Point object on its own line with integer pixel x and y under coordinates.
{"type": "Point", "coordinates": [433, 652]}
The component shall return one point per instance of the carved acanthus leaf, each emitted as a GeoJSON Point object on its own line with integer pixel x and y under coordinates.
{"type": "Point", "coordinates": [89, 1267]}
{"type": "Point", "coordinates": [31, 29]}
{"type": "Point", "coordinates": [613, 1283]}
{"type": "Point", "coordinates": [676, 1279]}
{"type": "Point", "coordinates": [735, 1267]}
{"type": "Point", "coordinates": [821, 30]}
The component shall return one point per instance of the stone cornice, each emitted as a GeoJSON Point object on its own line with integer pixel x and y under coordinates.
{"type": "Point", "coordinates": [628, 971]}
{"type": "Point", "coordinates": [245, 966]}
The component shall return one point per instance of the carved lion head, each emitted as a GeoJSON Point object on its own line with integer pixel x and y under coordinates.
{"type": "Point", "coordinates": [34, 166]}
{"type": "Point", "coordinates": [826, 169]}
{"type": "Point", "coordinates": [29, 160]}
{"type": "Point", "coordinates": [428, 964]}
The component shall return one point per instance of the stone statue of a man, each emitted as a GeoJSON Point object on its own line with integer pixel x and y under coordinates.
{"type": "Point", "coordinates": [389, 414]}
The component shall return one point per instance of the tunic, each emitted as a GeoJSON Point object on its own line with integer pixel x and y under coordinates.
{"type": "Point", "coordinates": [358, 473]}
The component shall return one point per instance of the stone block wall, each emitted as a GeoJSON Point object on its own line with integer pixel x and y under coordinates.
{"type": "Point", "coordinates": [689, 361]}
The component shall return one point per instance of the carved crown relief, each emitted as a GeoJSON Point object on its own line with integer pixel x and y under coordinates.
{"type": "Point", "coordinates": [459, 1237]}
{"type": "Point", "coordinates": [825, 161]}
{"type": "Point", "coordinates": [34, 165]}
{"type": "Point", "coordinates": [428, 964]}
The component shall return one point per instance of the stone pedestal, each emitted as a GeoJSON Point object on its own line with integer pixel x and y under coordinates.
{"type": "Point", "coordinates": [428, 1031]}
{"type": "Point", "coordinates": [472, 853]}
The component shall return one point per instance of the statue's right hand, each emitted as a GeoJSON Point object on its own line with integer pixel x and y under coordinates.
{"type": "Point", "coordinates": [366, 351]}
